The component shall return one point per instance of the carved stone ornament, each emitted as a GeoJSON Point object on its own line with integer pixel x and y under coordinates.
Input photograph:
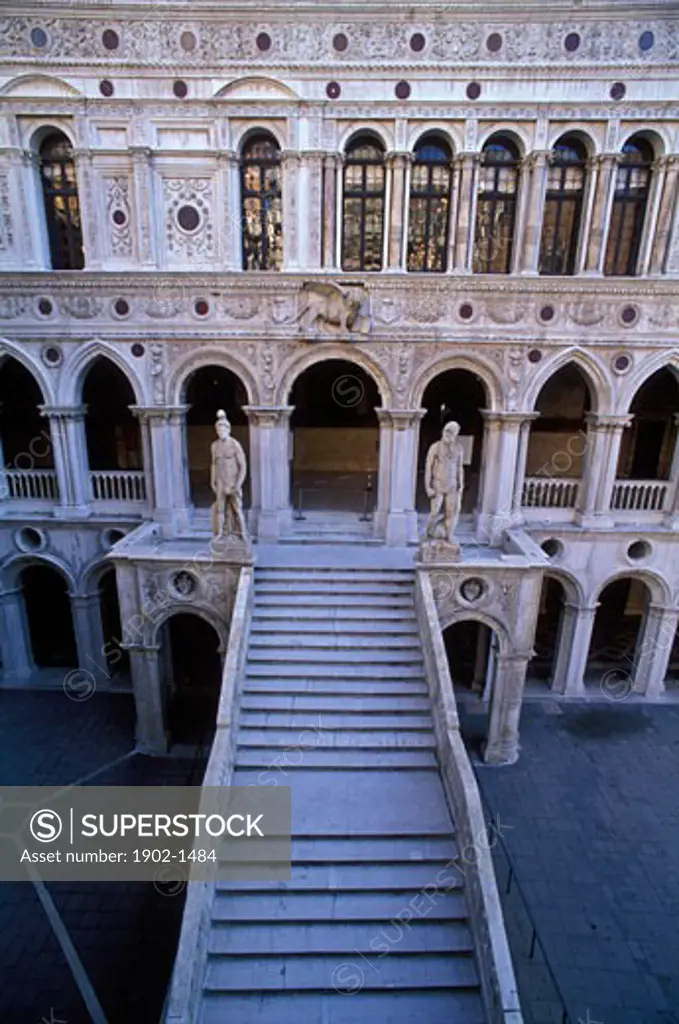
{"type": "Point", "coordinates": [328, 308]}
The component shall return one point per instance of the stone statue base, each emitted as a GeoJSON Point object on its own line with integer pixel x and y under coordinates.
{"type": "Point", "coordinates": [434, 550]}
{"type": "Point", "coordinates": [233, 547]}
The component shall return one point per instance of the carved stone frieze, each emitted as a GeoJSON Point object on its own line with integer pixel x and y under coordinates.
{"type": "Point", "coordinates": [6, 231]}
{"type": "Point", "coordinates": [189, 235]}
{"type": "Point", "coordinates": [118, 215]}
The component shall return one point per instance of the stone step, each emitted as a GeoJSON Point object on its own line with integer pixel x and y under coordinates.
{"type": "Point", "coordinates": [334, 739]}
{"type": "Point", "coordinates": [337, 721]}
{"type": "Point", "coordinates": [337, 904]}
{"type": "Point", "coordinates": [332, 599]}
{"type": "Point", "coordinates": [246, 938]}
{"type": "Point", "coordinates": [351, 588]}
{"type": "Point", "coordinates": [315, 971]}
{"type": "Point", "coordinates": [347, 614]}
{"type": "Point", "coordinates": [389, 703]}
{"type": "Point", "coordinates": [431, 1006]}
{"type": "Point", "coordinates": [384, 630]}
{"type": "Point", "coordinates": [332, 641]}
{"type": "Point", "coordinates": [343, 689]}
{"type": "Point", "coordinates": [284, 765]}
{"type": "Point", "coordinates": [319, 670]}
{"type": "Point", "coordinates": [369, 847]}
{"type": "Point", "coordinates": [380, 656]}
{"type": "Point", "coordinates": [375, 874]}
{"type": "Point", "coordinates": [331, 573]}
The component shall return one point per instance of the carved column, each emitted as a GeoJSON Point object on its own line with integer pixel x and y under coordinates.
{"type": "Point", "coordinates": [527, 419]}
{"type": "Point", "coordinates": [271, 513]}
{"type": "Point", "coordinates": [604, 434]}
{"type": "Point", "coordinates": [291, 167]}
{"type": "Point", "coordinates": [30, 232]}
{"type": "Point", "coordinates": [168, 462]}
{"type": "Point", "coordinates": [310, 210]}
{"type": "Point", "coordinates": [498, 473]}
{"type": "Point", "coordinates": [399, 163]}
{"type": "Point", "coordinates": [654, 649]}
{"type": "Point", "coordinates": [587, 213]}
{"type": "Point", "coordinates": [141, 414]}
{"type": "Point", "coordinates": [575, 635]}
{"type": "Point", "coordinates": [466, 212]}
{"type": "Point", "coordinates": [399, 437]}
{"type": "Point", "coordinates": [330, 211]}
{"type": "Point", "coordinates": [91, 229]}
{"type": "Point", "coordinates": [502, 746]}
{"type": "Point", "coordinates": [651, 218]}
{"type": "Point", "coordinates": [144, 205]}
{"type": "Point", "coordinates": [666, 214]}
{"type": "Point", "coordinates": [232, 232]}
{"type": "Point", "coordinates": [69, 446]}
{"type": "Point", "coordinates": [600, 220]}
{"type": "Point", "coordinates": [17, 654]}
{"type": "Point", "coordinates": [535, 171]}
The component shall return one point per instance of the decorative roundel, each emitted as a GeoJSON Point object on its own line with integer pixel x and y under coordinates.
{"type": "Point", "coordinates": [138, 350]}
{"type": "Point", "coordinates": [110, 536]}
{"type": "Point", "coordinates": [618, 91]}
{"type": "Point", "coordinates": [547, 313]}
{"type": "Point", "coordinates": [52, 355]}
{"type": "Point", "coordinates": [188, 41]}
{"type": "Point", "coordinates": [180, 89]}
{"type": "Point", "coordinates": [119, 217]}
{"type": "Point", "coordinates": [622, 363]}
{"type": "Point", "coordinates": [572, 42]}
{"type": "Point", "coordinates": [466, 311]}
{"type": "Point", "coordinates": [121, 307]}
{"type": "Point", "coordinates": [552, 547]}
{"type": "Point", "coordinates": [201, 307]}
{"type": "Point", "coordinates": [333, 90]}
{"type": "Point", "coordinates": [417, 42]}
{"type": "Point", "coordinates": [646, 41]}
{"type": "Point", "coordinates": [473, 91]}
{"type": "Point", "coordinates": [639, 549]}
{"type": "Point", "coordinates": [30, 538]}
{"type": "Point", "coordinates": [494, 42]}
{"type": "Point", "coordinates": [110, 39]}
{"type": "Point", "coordinates": [45, 307]}
{"type": "Point", "coordinates": [263, 42]}
{"type": "Point", "coordinates": [39, 38]}
{"type": "Point", "coordinates": [183, 583]}
{"type": "Point", "coordinates": [340, 42]}
{"type": "Point", "coordinates": [629, 315]}
{"type": "Point", "coordinates": [188, 218]}
{"type": "Point", "coordinates": [402, 90]}
{"type": "Point", "coordinates": [472, 589]}
{"type": "Point", "coordinates": [106, 87]}
{"type": "Point", "coordinates": [535, 355]}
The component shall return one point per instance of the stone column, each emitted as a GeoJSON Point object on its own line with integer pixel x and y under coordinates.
{"type": "Point", "coordinates": [654, 649]}
{"type": "Point", "coordinates": [151, 734]}
{"type": "Point", "coordinates": [290, 165]}
{"type": "Point", "coordinates": [600, 220]}
{"type": "Point", "coordinates": [310, 211]}
{"type": "Point", "coordinates": [269, 469]}
{"type": "Point", "coordinates": [144, 205]}
{"type": "Point", "coordinates": [330, 211]}
{"type": "Point", "coordinates": [671, 519]}
{"type": "Point", "coordinates": [232, 232]}
{"type": "Point", "coordinates": [69, 446]}
{"type": "Point", "coordinates": [396, 518]}
{"type": "Point", "coordinates": [587, 212]}
{"type": "Point", "coordinates": [168, 463]}
{"type": "Point", "coordinates": [146, 452]}
{"type": "Point", "coordinates": [89, 636]}
{"type": "Point", "coordinates": [466, 212]}
{"type": "Point", "coordinates": [575, 635]}
{"type": "Point", "coordinates": [535, 169]}
{"type": "Point", "coordinates": [502, 746]}
{"type": "Point", "coordinates": [452, 217]}
{"type": "Point", "coordinates": [496, 509]}
{"type": "Point", "coordinates": [666, 213]}
{"type": "Point", "coordinates": [17, 654]}
{"type": "Point", "coordinates": [521, 462]}
{"type": "Point", "coordinates": [91, 229]}
{"type": "Point", "coordinates": [599, 468]}
{"type": "Point", "coordinates": [651, 219]}
{"type": "Point", "coordinates": [32, 250]}
{"type": "Point", "coordinates": [397, 219]}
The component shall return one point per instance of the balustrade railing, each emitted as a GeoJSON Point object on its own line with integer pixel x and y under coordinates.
{"type": "Point", "coordinates": [35, 484]}
{"type": "Point", "coordinates": [118, 485]}
{"type": "Point", "coordinates": [550, 492]}
{"type": "Point", "coordinates": [640, 495]}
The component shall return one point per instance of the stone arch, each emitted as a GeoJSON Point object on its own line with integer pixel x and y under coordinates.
{"type": "Point", "coordinates": [580, 131]}
{"type": "Point", "coordinates": [518, 135]}
{"type": "Point", "coordinates": [452, 618]}
{"type": "Point", "coordinates": [256, 87]}
{"type": "Point", "coordinates": [75, 370]}
{"type": "Point", "coordinates": [657, 138]}
{"type": "Point", "coordinates": [438, 129]}
{"type": "Point", "coordinates": [257, 128]}
{"type": "Point", "coordinates": [367, 129]}
{"type": "Point", "coordinates": [211, 356]}
{"type": "Point", "coordinates": [15, 565]}
{"type": "Point", "coordinates": [481, 368]}
{"type": "Point", "coordinates": [10, 350]}
{"type": "Point", "coordinates": [40, 86]}
{"type": "Point", "coordinates": [89, 578]}
{"type": "Point", "coordinates": [595, 376]}
{"type": "Point", "coordinates": [298, 363]}
{"type": "Point", "coordinates": [643, 373]}
{"type": "Point", "coordinates": [571, 584]}
{"type": "Point", "coordinates": [660, 591]}
{"type": "Point", "coordinates": [152, 627]}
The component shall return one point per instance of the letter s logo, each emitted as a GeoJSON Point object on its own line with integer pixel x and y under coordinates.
{"type": "Point", "coordinates": [46, 826]}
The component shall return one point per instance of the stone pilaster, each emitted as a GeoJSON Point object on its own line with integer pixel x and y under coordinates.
{"type": "Point", "coordinates": [89, 219]}
{"type": "Point", "coordinates": [575, 634]}
{"type": "Point", "coordinates": [666, 215]}
{"type": "Point", "coordinates": [534, 175]}
{"type": "Point", "coordinates": [654, 649]}
{"type": "Point", "coordinates": [271, 513]}
{"type": "Point", "coordinates": [396, 517]}
{"type": "Point", "coordinates": [151, 734]}
{"type": "Point", "coordinates": [466, 212]}
{"type": "Point", "coordinates": [17, 656]}
{"type": "Point", "coordinates": [330, 171]}
{"type": "Point", "coordinates": [165, 428]}
{"type": "Point", "coordinates": [604, 434]}
{"type": "Point", "coordinates": [397, 216]}
{"type": "Point", "coordinates": [501, 447]}
{"type": "Point", "coordinates": [502, 746]}
{"type": "Point", "coordinates": [290, 166]}
{"type": "Point", "coordinates": [89, 636]}
{"type": "Point", "coordinates": [606, 165]}
{"type": "Point", "coordinates": [144, 200]}
{"type": "Point", "coordinates": [69, 446]}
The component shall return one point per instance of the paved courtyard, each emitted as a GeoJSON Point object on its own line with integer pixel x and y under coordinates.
{"type": "Point", "coordinates": [125, 934]}
{"type": "Point", "coordinates": [590, 818]}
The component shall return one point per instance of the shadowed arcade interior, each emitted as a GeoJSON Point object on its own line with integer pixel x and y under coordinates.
{"type": "Point", "coordinates": [191, 668]}
{"type": "Point", "coordinates": [209, 389]}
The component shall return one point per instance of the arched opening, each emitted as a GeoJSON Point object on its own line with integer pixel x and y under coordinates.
{"type": "Point", "coordinates": [647, 445]}
{"type": "Point", "coordinates": [112, 430]}
{"type": "Point", "coordinates": [191, 674]}
{"type": "Point", "coordinates": [336, 438]}
{"type": "Point", "coordinates": [117, 659]}
{"type": "Point", "coordinates": [363, 200]}
{"type": "Point", "coordinates": [429, 208]}
{"type": "Point", "coordinates": [472, 650]}
{"type": "Point", "coordinates": [628, 213]}
{"type": "Point", "coordinates": [563, 206]}
{"type": "Point", "coordinates": [207, 390]}
{"type": "Point", "coordinates": [618, 624]}
{"type": "Point", "coordinates": [558, 441]}
{"type": "Point", "coordinates": [262, 203]}
{"type": "Point", "coordinates": [548, 629]}
{"type": "Point", "coordinates": [496, 206]}
{"type": "Point", "coordinates": [24, 433]}
{"type": "Point", "coordinates": [60, 197]}
{"type": "Point", "coordinates": [457, 395]}
{"type": "Point", "coordinates": [49, 616]}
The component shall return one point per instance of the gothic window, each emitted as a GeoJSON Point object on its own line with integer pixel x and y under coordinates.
{"type": "Point", "coordinates": [62, 209]}
{"type": "Point", "coordinates": [429, 211]}
{"type": "Point", "coordinates": [260, 170]}
{"type": "Point", "coordinates": [363, 205]}
{"type": "Point", "coordinates": [629, 208]}
{"type": "Point", "coordinates": [563, 207]}
{"type": "Point", "coordinates": [496, 207]}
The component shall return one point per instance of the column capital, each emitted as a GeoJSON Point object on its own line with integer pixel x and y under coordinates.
{"type": "Point", "coordinates": [141, 153]}
{"type": "Point", "coordinates": [608, 421]}
{"type": "Point", "coordinates": [63, 412]}
{"type": "Point", "coordinates": [159, 412]}
{"type": "Point", "coordinates": [468, 157]}
{"type": "Point", "coordinates": [500, 416]}
{"type": "Point", "coordinates": [537, 158]}
{"type": "Point", "coordinates": [399, 419]}
{"type": "Point", "coordinates": [268, 415]}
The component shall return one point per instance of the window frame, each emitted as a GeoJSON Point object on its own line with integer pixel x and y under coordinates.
{"type": "Point", "coordinates": [496, 198]}
{"type": "Point", "coordinates": [364, 196]}
{"type": "Point", "coordinates": [625, 200]}
{"type": "Point", "coordinates": [431, 198]}
{"type": "Point", "coordinates": [561, 197]}
{"type": "Point", "coordinates": [64, 226]}
{"type": "Point", "coordinates": [266, 198]}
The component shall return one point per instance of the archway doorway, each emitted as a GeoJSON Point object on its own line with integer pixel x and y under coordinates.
{"type": "Point", "coordinates": [24, 434]}
{"type": "Point", "coordinates": [458, 395]}
{"type": "Point", "coordinates": [192, 676]}
{"type": "Point", "coordinates": [113, 438]}
{"type": "Point", "coordinates": [558, 441]}
{"type": "Point", "coordinates": [49, 616]}
{"type": "Point", "coordinates": [618, 624]}
{"type": "Point", "coordinates": [335, 438]}
{"type": "Point", "coordinates": [116, 657]}
{"type": "Point", "coordinates": [207, 390]}
{"type": "Point", "coordinates": [472, 650]}
{"type": "Point", "coordinates": [647, 445]}
{"type": "Point", "coordinates": [548, 630]}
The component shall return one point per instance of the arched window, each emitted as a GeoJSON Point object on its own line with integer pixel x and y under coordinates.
{"type": "Point", "coordinates": [62, 209]}
{"type": "Point", "coordinates": [429, 211]}
{"type": "Point", "coordinates": [496, 207]}
{"type": "Point", "coordinates": [363, 205]}
{"type": "Point", "coordinates": [629, 208]}
{"type": "Point", "coordinates": [261, 197]}
{"type": "Point", "coordinates": [563, 206]}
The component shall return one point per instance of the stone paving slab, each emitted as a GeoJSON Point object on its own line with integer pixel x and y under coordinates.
{"type": "Point", "coordinates": [593, 838]}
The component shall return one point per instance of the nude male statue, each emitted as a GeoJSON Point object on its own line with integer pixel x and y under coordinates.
{"type": "Point", "coordinates": [444, 482]}
{"type": "Point", "coordinates": [227, 474]}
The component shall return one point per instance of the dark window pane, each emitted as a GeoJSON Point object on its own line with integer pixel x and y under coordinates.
{"type": "Point", "coordinates": [261, 205]}
{"type": "Point", "coordinates": [628, 214]}
{"type": "Point", "coordinates": [563, 208]}
{"type": "Point", "coordinates": [496, 208]}
{"type": "Point", "coordinates": [62, 209]}
{"type": "Point", "coordinates": [363, 207]}
{"type": "Point", "coordinates": [430, 185]}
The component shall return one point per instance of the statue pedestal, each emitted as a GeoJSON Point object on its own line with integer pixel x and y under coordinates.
{"type": "Point", "coordinates": [437, 551]}
{"type": "Point", "coordinates": [233, 548]}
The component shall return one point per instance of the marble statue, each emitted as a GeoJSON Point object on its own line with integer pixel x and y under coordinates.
{"type": "Point", "coordinates": [228, 467]}
{"type": "Point", "coordinates": [444, 483]}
